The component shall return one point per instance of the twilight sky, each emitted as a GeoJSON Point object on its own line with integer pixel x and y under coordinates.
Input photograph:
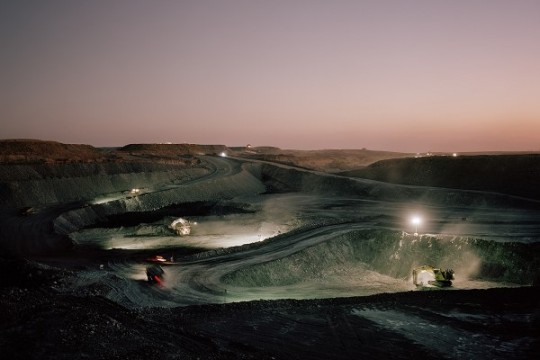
{"type": "Point", "coordinates": [306, 74]}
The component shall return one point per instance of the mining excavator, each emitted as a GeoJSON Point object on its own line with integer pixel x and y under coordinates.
{"type": "Point", "coordinates": [429, 276]}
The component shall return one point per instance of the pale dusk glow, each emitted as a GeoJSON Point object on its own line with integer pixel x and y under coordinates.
{"type": "Point", "coordinates": [412, 76]}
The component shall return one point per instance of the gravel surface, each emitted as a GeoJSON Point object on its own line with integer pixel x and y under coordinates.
{"type": "Point", "coordinates": [40, 321]}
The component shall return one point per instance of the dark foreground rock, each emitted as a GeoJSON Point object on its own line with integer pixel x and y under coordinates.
{"type": "Point", "coordinates": [38, 321]}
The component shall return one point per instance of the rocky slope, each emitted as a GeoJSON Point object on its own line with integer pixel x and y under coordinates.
{"type": "Point", "coordinates": [508, 174]}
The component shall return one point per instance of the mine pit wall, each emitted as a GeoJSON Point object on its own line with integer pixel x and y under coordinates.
{"type": "Point", "coordinates": [29, 185]}
{"type": "Point", "coordinates": [46, 186]}
{"type": "Point", "coordinates": [23, 172]}
{"type": "Point", "coordinates": [396, 254]}
{"type": "Point", "coordinates": [242, 183]}
{"type": "Point", "coordinates": [283, 179]}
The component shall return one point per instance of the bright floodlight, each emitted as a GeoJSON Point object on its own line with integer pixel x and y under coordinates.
{"type": "Point", "coordinates": [223, 154]}
{"type": "Point", "coordinates": [416, 220]}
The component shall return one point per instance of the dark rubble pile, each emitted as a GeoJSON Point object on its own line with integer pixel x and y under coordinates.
{"type": "Point", "coordinates": [40, 321]}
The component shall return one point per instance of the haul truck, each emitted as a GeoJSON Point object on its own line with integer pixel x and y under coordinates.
{"type": "Point", "coordinates": [155, 274]}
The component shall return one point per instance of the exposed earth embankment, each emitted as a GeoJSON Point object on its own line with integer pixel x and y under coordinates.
{"type": "Point", "coordinates": [286, 179]}
{"type": "Point", "coordinates": [508, 174]}
{"type": "Point", "coordinates": [27, 185]}
{"type": "Point", "coordinates": [241, 183]}
{"type": "Point", "coordinates": [91, 192]}
{"type": "Point", "coordinates": [320, 160]}
{"type": "Point", "coordinates": [306, 235]}
{"type": "Point", "coordinates": [394, 254]}
{"type": "Point", "coordinates": [97, 191]}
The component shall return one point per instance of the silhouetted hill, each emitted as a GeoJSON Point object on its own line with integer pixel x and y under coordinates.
{"type": "Point", "coordinates": [52, 152]}
{"type": "Point", "coordinates": [31, 151]}
{"type": "Point", "coordinates": [331, 160]}
{"type": "Point", "coordinates": [172, 149]}
{"type": "Point", "coordinates": [509, 174]}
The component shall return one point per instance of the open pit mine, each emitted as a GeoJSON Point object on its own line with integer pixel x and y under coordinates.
{"type": "Point", "coordinates": [175, 251]}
